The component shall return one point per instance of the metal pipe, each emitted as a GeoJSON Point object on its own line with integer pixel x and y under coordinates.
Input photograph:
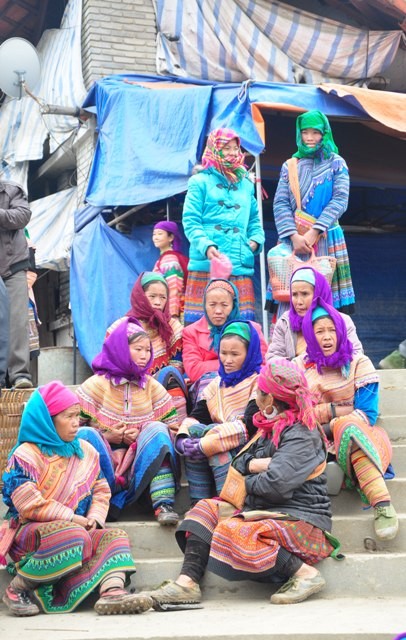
{"type": "Point", "coordinates": [262, 265]}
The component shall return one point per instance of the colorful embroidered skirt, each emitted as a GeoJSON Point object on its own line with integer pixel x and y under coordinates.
{"type": "Point", "coordinates": [153, 445]}
{"type": "Point", "coordinates": [248, 549]}
{"type": "Point", "coordinates": [68, 561]}
{"type": "Point", "coordinates": [196, 284]}
{"type": "Point", "coordinates": [352, 431]}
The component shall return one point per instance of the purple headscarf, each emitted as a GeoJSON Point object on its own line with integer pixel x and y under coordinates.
{"type": "Point", "coordinates": [171, 227]}
{"type": "Point", "coordinates": [344, 351]}
{"type": "Point", "coordinates": [322, 290]}
{"type": "Point", "coordinates": [114, 361]}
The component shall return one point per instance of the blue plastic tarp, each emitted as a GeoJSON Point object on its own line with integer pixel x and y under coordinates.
{"type": "Point", "coordinates": [104, 267]}
{"type": "Point", "coordinates": [150, 138]}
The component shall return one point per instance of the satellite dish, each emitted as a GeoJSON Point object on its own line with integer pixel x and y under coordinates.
{"type": "Point", "coordinates": [19, 66]}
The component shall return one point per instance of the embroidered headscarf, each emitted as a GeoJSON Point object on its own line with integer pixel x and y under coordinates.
{"type": "Point", "coordinates": [115, 362]}
{"type": "Point", "coordinates": [342, 357]}
{"type": "Point", "coordinates": [171, 227]}
{"type": "Point", "coordinates": [286, 382]}
{"type": "Point", "coordinates": [142, 309]}
{"type": "Point", "coordinates": [314, 120]}
{"type": "Point", "coordinates": [37, 425]}
{"type": "Point", "coordinates": [253, 360]}
{"type": "Point", "coordinates": [322, 290]}
{"type": "Point", "coordinates": [213, 155]}
{"type": "Point", "coordinates": [228, 286]}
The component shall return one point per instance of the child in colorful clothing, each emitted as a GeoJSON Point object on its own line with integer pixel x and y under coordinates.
{"type": "Point", "coordinates": [54, 528]}
{"type": "Point", "coordinates": [132, 423]}
{"type": "Point", "coordinates": [172, 264]}
{"type": "Point", "coordinates": [221, 421]}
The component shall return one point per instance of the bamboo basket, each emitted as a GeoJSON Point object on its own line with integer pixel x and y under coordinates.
{"type": "Point", "coordinates": [12, 404]}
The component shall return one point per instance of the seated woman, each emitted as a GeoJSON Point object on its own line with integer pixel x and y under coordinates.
{"type": "Point", "coordinates": [306, 286]}
{"type": "Point", "coordinates": [347, 386]}
{"type": "Point", "coordinates": [282, 529]}
{"type": "Point", "coordinates": [201, 339]}
{"type": "Point", "coordinates": [172, 264]}
{"type": "Point", "coordinates": [150, 306]}
{"type": "Point", "coordinates": [132, 423]}
{"type": "Point", "coordinates": [221, 421]}
{"type": "Point", "coordinates": [57, 502]}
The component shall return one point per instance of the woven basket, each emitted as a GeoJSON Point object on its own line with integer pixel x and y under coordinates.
{"type": "Point", "coordinates": [281, 269]}
{"type": "Point", "coordinates": [12, 404]}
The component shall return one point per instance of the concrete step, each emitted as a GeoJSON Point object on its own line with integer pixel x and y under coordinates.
{"type": "Point", "coordinates": [363, 575]}
{"type": "Point", "coordinates": [392, 399]}
{"type": "Point", "coordinates": [349, 502]}
{"type": "Point", "coordinates": [316, 619]}
{"type": "Point", "coordinates": [356, 533]}
{"type": "Point", "coordinates": [395, 426]}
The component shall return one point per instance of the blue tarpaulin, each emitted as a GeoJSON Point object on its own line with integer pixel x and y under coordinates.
{"type": "Point", "coordinates": [150, 138]}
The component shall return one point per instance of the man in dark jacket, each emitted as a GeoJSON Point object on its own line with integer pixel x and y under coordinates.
{"type": "Point", "coordinates": [15, 214]}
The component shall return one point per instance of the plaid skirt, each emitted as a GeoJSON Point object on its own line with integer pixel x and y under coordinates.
{"type": "Point", "coordinates": [196, 284]}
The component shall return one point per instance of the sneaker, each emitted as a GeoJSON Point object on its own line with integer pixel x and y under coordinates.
{"type": "Point", "coordinates": [19, 603]}
{"type": "Point", "coordinates": [166, 515]}
{"type": "Point", "coordinates": [386, 522]}
{"type": "Point", "coordinates": [119, 601]}
{"type": "Point", "coordinates": [297, 589]}
{"type": "Point", "coordinates": [170, 592]}
{"type": "Point", "coordinates": [23, 383]}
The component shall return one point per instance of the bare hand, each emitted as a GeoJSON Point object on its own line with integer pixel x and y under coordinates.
{"type": "Point", "coordinates": [81, 520]}
{"type": "Point", "coordinates": [212, 252]}
{"type": "Point", "coordinates": [254, 245]}
{"type": "Point", "coordinates": [300, 244]}
{"type": "Point", "coordinates": [130, 436]}
{"type": "Point", "coordinates": [91, 524]}
{"type": "Point", "coordinates": [258, 465]}
{"type": "Point", "coordinates": [312, 236]}
{"type": "Point", "coordinates": [115, 433]}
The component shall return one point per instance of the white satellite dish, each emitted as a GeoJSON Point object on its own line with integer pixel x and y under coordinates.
{"type": "Point", "coordinates": [19, 66]}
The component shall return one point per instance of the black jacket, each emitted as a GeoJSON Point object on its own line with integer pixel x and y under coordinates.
{"type": "Point", "coordinates": [284, 487]}
{"type": "Point", "coordinates": [15, 214]}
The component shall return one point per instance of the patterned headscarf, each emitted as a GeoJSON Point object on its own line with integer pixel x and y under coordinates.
{"type": "Point", "coordinates": [213, 155]}
{"type": "Point", "coordinates": [228, 286]}
{"type": "Point", "coordinates": [38, 427]}
{"type": "Point", "coordinates": [322, 290]}
{"type": "Point", "coordinates": [314, 120]}
{"type": "Point", "coordinates": [171, 227]}
{"type": "Point", "coordinates": [115, 362]}
{"type": "Point", "coordinates": [253, 359]}
{"type": "Point", "coordinates": [342, 357]}
{"type": "Point", "coordinates": [142, 309]}
{"type": "Point", "coordinates": [284, 381]}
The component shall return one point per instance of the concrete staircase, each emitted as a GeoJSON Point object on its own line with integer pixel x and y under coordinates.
{"type": "Point", "coordinates": [365, 597]}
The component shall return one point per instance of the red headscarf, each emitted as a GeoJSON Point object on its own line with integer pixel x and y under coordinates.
{"type": "Point", "coordinates": [141, 309]}
{"type": "Point", "coordinates": [283, 379]}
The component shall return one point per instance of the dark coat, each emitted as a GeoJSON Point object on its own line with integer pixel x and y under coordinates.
{"type": "Point", "coordinates": [15, 214]}
{"type": "Point", "coordinates": [284, 486]}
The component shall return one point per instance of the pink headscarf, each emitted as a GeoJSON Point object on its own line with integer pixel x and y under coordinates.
{"type": "Point", "coordinates": [284, 380]}
{"type": "Point", "coordinates": [213, 155]}
{"type": "Point", "coordinates": [57, 397]}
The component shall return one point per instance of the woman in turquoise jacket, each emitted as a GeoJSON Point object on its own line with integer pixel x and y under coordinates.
{"type": "Point", "coordinates": [220, 216]}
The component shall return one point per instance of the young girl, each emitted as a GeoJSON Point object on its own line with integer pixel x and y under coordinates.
{"type": "Point", "coordinates": [133, 423]}
{"type": "Point", "coordinates": [172, 264]}
{"type": "Point", "coordinates": [221, 421]}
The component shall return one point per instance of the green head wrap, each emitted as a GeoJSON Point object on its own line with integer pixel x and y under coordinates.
{"type": "Point", "coordinates": [239, 329]}
{"type": "Point", "coordinates": [314, 120]}
{"type": "Point", "coordinates": [152, 276]}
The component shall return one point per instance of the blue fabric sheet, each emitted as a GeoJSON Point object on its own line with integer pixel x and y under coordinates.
{"type": "Point", "coordinates": [104, 267]}
{"type": "Point", "coordinates": [149, 140]}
